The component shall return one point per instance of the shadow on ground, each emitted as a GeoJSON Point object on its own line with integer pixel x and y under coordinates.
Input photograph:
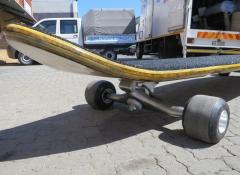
{"type": "Point", "coordinates": [84, 127]}
{"type": "Point", "coordinates": [9, 64]}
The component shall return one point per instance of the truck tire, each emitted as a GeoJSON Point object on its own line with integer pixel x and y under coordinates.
{"type": "Point", "coordinates": [96, 94]}
{"type": "Point", "coordinates": [110, 54]}
{"type": "Point", "coordinates": [139, 51]}
{"type": "Point", "coordinates": [206, 118]}
{"type": "Point", "coordinates": [224, 74]}
{"type": "Point", "coordinates": [24, 60]}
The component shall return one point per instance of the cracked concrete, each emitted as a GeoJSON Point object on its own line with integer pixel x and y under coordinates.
{"type": "Point", "coordinates": [47, 128]}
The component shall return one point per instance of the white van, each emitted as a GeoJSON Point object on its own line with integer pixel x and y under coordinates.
{"type": "Point", "coordinates": [66, 28]}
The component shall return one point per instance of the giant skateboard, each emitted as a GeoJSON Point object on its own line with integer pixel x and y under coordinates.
{"type": "Point", "coordinates": [205, 118]}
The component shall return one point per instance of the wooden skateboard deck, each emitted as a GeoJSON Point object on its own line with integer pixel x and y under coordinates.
{"type": "Point", "coordinates": [66, 56]}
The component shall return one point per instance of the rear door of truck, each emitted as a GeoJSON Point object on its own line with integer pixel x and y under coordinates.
{"type": "Point", "coordinates": [211, 41]}
{"type": "Point", "coordinates": [161, 17]}
{"type": "Point", "coordinates": [69, 29]}
{"type": "Point", "coordinates": [149, 19]}
{"type": "Point", "coordinates": [168, 17]}
{"type": "Point", "coordinates": [176, 14]}
{"type": "Point", "coordinates": [146, 20]}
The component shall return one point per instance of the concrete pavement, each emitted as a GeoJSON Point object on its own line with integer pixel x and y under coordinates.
{"type": "Point", "coordinates": [46, 127]}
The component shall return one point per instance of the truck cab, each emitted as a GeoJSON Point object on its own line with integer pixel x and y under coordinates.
{"type": "Point", "coordinates": [66, 28]}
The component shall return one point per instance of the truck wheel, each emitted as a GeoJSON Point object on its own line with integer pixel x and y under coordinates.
{"type": "Point", "coordinates": [139, 51]}
{"type": "Point", "coordinates": [206, 118]}
{"type": "Point", "coordinates": [24, 60]}
{"type": "Point", "coordinates": [96, 94]}
{"type": "Point", "coordinates": [110, 54]}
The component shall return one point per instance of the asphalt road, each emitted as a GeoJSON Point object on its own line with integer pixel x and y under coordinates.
{"type": "Point", "coordinates": [46, 127]}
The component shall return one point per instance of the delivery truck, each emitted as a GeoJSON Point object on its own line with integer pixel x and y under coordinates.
{"type": "Point", "coordinates": [171, 28]}
{"type": "Point", "coordinates": [109, 31]}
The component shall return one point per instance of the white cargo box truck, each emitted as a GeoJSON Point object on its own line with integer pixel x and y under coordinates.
{"type": "Point", "coordinates": [173, 28]}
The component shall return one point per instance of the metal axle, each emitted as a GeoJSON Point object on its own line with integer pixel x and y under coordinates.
{"type": "Point", "coordinates": [134, 99]}
{"type": "Point", "coordinates": [174, 111]}
{"type": "Point", "coordinates": [139, 95]}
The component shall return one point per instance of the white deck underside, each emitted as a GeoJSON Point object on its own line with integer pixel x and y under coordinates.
{"type": "Point", "coordinates": [52, 60]}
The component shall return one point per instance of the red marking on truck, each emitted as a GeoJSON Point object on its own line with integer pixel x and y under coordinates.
{"type": "Point", "coordinates": [218, 35]}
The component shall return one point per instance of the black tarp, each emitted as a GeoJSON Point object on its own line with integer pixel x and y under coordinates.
{"type": "Point", "coordinates": [109, 22]}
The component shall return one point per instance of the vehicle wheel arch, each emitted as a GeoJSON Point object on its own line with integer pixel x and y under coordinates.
{"type": "Point", "coordinates": [16, 54]}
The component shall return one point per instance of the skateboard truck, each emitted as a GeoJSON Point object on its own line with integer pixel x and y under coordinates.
{"type": "Point", "coordinates": [140, 94]}
{"type": "Point", "coordinates": [204, 117]}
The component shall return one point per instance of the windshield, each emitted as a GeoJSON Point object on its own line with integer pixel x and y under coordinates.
{"type": "Point", "coordinates": [47, 26]}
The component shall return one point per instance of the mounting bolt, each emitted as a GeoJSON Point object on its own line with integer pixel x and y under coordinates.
{"type": "Point", "coordinates": [134, 105]}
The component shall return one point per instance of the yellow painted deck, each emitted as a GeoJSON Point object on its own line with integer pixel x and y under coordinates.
{"type": "Point", "coordinates": [63, 55]}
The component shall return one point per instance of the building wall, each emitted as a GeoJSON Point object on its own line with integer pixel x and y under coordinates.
{"type": "Point", "coordinates": [53, 8]}
{"type": "Point", "coordinates": [21, 2]}
{"type": "Point", "coordinates": [6, 16]}
{"type": "Point", "coordinates": [26, 4]}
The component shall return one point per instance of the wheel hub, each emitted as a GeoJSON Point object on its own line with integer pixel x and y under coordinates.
{"type": "Point", "coordinates": [25, 58]}
{"type": "Point", "coordinates": [109, 55]}
{"type": "Point", "coordinates": [105, 94]}
{"type": "Point", "coordinates": [223, 122]}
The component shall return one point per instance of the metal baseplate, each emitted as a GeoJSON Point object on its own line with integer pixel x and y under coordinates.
{"type": "Point", "coordinates": [131, 85]}
{"type": "Point", "coordinates": [139, 95]}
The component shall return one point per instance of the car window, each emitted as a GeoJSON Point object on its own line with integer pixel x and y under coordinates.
{"type": "Point", "coordinates": [68, 26]}
{"type": "Point", "coordinates": [48, 26]}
